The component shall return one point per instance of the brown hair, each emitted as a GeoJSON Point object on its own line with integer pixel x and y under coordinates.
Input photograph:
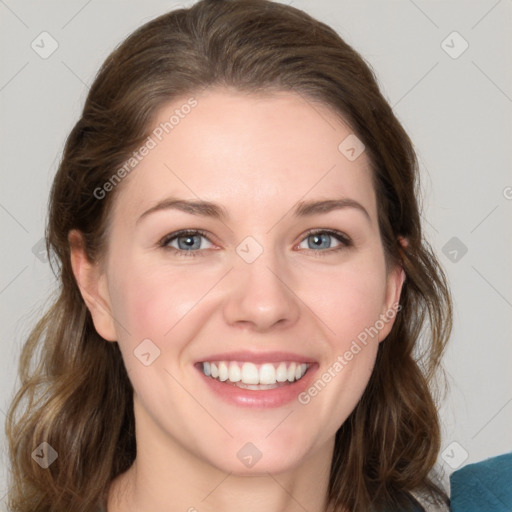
{"type": "Point", "coordinates": [75, 391]}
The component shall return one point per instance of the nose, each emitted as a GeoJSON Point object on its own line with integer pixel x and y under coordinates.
{"type": "Point", "coordinates": [261, 295]}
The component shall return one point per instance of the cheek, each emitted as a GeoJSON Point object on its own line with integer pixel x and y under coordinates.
{"type": "Point", "coordinates": [350, 299]}
{"type": "Point", "coordinates": [149, 301]}
{"type": "Point", "coordinates": [349, 303]}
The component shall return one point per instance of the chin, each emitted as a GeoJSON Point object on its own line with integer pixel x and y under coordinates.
{"type": "Point", "coordinates": [259, 456]}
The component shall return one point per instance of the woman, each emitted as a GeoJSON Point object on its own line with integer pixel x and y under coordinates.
{"type": "Point", "coordinates": [244, 282]}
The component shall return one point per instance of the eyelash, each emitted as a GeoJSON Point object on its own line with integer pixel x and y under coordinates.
{"type": "Point", "coordinates": [340, 237]}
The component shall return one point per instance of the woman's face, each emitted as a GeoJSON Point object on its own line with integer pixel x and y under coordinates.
{"type": "Point", "coordinates": [255, 295]}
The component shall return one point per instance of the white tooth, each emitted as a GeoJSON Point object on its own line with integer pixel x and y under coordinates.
{"type": "Point", "coordinates": [234, 372]}
{"type": "Point", "coordinates": [303, 368]}
{"type": "Point", "coordinates": [214, 370]}
{"type": "Point", "coordinates": [267, 374]}
{"type": "Point", "coordinates": [223, 371]}
{"type": "Point", "coordinates": [291, 372]}
{"type": "Point", "coordinates": [250, 374]}
{"type": "Point", "coordinates": [298, 372]}
{"type": "Point", "coordinates": [256, 387]}
{"type": "Point", "coordinates": [206, 369]}
{"type": "Point", "coordinates": [281, 373]}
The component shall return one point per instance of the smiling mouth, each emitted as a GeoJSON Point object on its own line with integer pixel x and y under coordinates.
{"type": "Point", "coordinates": [248, 375]}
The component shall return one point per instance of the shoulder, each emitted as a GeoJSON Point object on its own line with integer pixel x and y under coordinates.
{"type": "Point", "coordinates": [426, 504]}
{"type": "Point", "coordinates": [483, 486]}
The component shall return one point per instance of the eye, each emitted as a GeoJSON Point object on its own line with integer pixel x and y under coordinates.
{"type": "Point", "coordinates": [186, 242]}
{"type": "Point", "coordinates": [322, 239]}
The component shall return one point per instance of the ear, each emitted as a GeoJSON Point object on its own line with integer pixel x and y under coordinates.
{"type": "Point", "coordinates": [395, 281]}
{"type": "Point", "coordinates": [93, 286]}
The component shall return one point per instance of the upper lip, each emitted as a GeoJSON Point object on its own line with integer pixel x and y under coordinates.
{"type": "Point", "coordinates": [258, 357]}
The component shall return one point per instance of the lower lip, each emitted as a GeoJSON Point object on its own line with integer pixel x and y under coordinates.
{"type": "Point", "coordinates": [260, 399]}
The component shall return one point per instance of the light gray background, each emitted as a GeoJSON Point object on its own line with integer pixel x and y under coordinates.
{"type": "Point", "coordinates": [458, 112]}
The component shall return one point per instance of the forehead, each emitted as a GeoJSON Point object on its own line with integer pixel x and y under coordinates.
{"type": "Point", "coordinates": [258, 153]}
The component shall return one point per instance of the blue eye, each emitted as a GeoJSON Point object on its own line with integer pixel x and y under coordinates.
{"type": "Point", "coordinates": [322, 239]}
{"type": "Point", "coordinates": [189, 242]}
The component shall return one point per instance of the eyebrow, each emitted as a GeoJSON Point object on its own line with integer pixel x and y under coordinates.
{"type": "Point", "coordinates": [209, 209]}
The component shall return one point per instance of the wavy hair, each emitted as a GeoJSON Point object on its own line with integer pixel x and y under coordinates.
{"type": "Point", "coordinates": [75, 393]}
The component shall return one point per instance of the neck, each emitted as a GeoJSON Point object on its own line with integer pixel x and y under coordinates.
{"type": "Point", "coordinates": [136, 491]}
